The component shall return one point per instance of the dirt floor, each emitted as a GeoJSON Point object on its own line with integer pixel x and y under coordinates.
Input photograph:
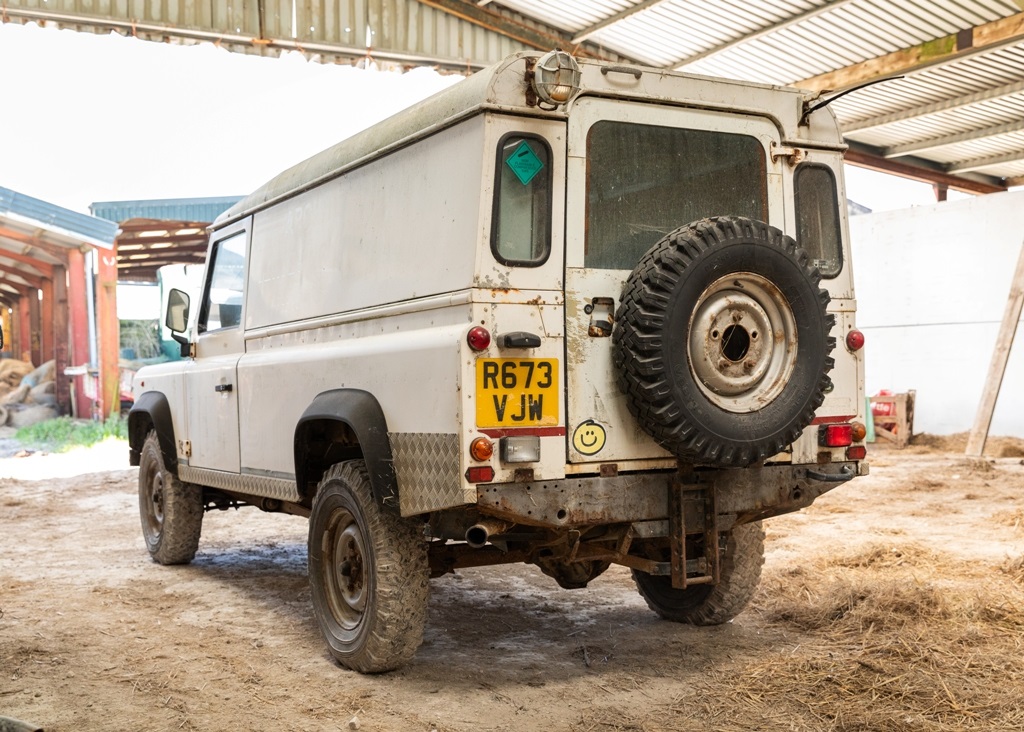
{"type": "Point", "coordinates": [894, 603]}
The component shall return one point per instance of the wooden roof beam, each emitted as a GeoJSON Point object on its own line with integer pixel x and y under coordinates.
{"type": "Point", "coordinates": [42, 268]}
{"type": "Point", "coordinates": [979, 39]}
{"type": "Point", "coordinates": [32, 245]}
{"type": "Point", "coordinates": [25, 277]}
{"type": "Point", "coordinates": [865, 156]}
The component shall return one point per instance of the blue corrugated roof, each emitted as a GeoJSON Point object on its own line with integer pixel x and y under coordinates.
{"type": "Point", "coordinates": [51, 216]}
{"type": "Point", "coordinates": [165, 209]}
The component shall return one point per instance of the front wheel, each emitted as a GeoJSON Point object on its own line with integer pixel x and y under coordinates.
{"type": "Point", "coordinates": [711, 604]}
{"type": "Point", "coordinates": [368, 572]}
{"type": "Point", "coordinates": [171, 511]}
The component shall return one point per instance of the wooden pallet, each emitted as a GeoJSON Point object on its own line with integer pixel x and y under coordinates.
{"type": "Point", "coordinates": [897, 428]}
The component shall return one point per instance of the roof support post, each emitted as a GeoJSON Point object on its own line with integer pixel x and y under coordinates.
{"type": "Point", "coordinates": [62, 387]}
{"type": "Point", "coordinates": [33, 330]}
{"type": "Point", "coordinates": [79, 327]}
{"type": "Point", "coordinates": [22, 349]}
{"type": "Point", "coordinates": [108, 332]}
{"type": "Point", "coordinates": [46, 331]}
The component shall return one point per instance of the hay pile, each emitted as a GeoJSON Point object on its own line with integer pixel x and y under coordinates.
{"type": "Point", "coordinates": [26, 393]}
{"type": "Point", "coordinates": [904, 638]}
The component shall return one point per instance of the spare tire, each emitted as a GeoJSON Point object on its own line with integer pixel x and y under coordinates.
{"type": "Point", "coordinates": [722, 343]}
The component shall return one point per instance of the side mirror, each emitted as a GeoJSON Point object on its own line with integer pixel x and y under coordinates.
{"type": "Point", "coordinates": [177, 318]}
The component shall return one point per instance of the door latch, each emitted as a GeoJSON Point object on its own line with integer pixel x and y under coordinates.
{"type": "Point", "coordinates": [602, 315]}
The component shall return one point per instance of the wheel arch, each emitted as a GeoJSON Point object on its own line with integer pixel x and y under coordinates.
{"type": "Point", "coordinates": [151, 411]}
{"type": "Point", "coordinates": [345, 424]}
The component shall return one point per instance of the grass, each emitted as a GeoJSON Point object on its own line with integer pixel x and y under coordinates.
{"type": "Point", "coordinates": [64, 433]}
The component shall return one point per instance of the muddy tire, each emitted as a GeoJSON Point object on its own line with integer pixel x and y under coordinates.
{"type": "Point", "coordinates": [711, 604]}
{"type": "Point", "coordinates": [171, 511]}
{"type": "Point", "coordinates": [368, 572]}
{"type": "Point", "coordinates": [721, 343]}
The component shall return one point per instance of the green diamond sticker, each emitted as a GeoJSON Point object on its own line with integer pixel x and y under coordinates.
{"type": "Point", "coordinates": [524, 163]}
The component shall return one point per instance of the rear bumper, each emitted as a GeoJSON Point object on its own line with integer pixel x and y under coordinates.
{"type": "Point", "coordinates": [741, 495]}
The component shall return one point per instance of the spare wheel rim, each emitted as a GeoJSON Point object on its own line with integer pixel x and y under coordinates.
{"type": "Point", "coordinates": [742, 345]}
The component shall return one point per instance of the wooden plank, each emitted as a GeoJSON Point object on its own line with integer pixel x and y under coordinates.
{"type": "Point", "coordinates": [986, 37]}
{"type": "Point", "coordinates": [997, 368]}
{"type": "Point", "coordinates": [62, 387]}
{"type": "Point", "coordinates": [108, 332]}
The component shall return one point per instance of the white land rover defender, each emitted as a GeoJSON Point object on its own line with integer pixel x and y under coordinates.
{"type": "Point", "coordinates": [563, 313]}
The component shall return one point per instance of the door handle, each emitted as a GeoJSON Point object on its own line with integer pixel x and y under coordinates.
{"type": "Point", "coordinates": [222, 387]}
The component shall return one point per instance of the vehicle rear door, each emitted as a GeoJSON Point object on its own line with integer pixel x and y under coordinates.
{"type": "Point", "coordinates": [636, 172]}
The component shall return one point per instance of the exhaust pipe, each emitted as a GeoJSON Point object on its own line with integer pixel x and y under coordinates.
{"type": "Point", "coordinates": [480, 533]}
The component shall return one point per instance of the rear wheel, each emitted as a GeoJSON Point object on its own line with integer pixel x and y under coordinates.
{"type": "Point", "coordinates": [171, 511]}
{"type": "Point", "coordinates": [368, 572]}
{"type": "Point", "coordinates": [711, 604]}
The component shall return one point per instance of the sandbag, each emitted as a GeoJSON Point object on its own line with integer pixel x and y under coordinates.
{"type": "Point", "coordinates": [43, 373]}
{"type": "Point", "coordinates": [28, 416]}
{"type": "Point", "coordinates": [17, 396]}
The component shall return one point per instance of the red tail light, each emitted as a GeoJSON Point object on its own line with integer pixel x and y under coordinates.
{"type": "Point", "coordinates": [480, 474]}
{"type": "Point", "coordinates": [478, 338]}
{"type": "Point", "coordinates": [855, 340]}
{"type": "Point", "coordinates": [857, 452]}
{"type": "Point", "coordinates": [836, 435]}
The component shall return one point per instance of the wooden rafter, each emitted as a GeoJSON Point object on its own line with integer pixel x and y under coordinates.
{"type": "Point", "coordinates": [865, 157]}
{"type": "Point", "coordinates": [979, 39]}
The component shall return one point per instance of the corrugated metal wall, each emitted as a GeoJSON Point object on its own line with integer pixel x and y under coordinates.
{"type": "Point", "coordinates": [400, 30]}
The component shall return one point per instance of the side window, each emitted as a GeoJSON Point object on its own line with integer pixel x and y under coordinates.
{"type": "Point", "coordinates": [817, 217]}
{"type": "Point", "coordinates": [222, 300]}
{"type": "Point", "coordinates": [521, 226]}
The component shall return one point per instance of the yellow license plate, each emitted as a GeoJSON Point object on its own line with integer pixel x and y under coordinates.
{"type": "Point", "coordinates": [516, 392]}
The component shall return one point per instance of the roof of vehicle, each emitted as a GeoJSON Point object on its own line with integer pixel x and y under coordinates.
{"type": "Point", "coordinates": [500, 87]}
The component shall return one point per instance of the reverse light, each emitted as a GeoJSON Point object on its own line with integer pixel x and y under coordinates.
{"type": "Point", "coordinates": [481, 449]}
{"type": "Point", "coordinates": [480, 474]}
{"type": "Point", "coordinates": [857, 452]}
{"type": "Point", "coordinates": [836, 435]}
{"type": "Point", "coordinates": [521, 449]}
{"type": "Point", "coordinates": [855, 340]}
{"type": "Point", "coordinates": [478, 338]}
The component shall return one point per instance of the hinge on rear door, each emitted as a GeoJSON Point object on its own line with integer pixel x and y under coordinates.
{"type": "Point", "coordinates": [785, 151]}
{"type": "Point", "coordinates": [185, 448]}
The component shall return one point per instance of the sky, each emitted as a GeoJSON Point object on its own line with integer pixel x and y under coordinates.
{"type": "Point", "coordinates": [86, 118]}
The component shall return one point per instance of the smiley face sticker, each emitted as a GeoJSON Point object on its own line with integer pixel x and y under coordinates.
{"type": "Point", "coordinates": [589, 438]}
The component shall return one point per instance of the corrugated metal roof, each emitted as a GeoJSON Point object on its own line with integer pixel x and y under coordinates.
{"type": "Point", "coordinates": [169, 209]}
{"type": "Point", "coordinates": [794, 41]}
{"type": "Point", "coordinates": [953, 52]}
{"type": "Point", "coordinates": [53, 223]}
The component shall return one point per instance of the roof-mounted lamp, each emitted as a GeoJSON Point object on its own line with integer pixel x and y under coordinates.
{"type": "Point", "coordinates": [556, 78]}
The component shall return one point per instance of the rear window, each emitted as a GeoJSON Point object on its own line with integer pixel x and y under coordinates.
{"type": "Point", "coordinates": [817, 217]}
{"type": "Point", "coordinates": [644, 181]}
{"type": "Point", "coordinates": [521, 225]}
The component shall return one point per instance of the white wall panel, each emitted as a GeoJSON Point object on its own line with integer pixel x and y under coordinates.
{"type": "Point", "coordinates": [932, 284]}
